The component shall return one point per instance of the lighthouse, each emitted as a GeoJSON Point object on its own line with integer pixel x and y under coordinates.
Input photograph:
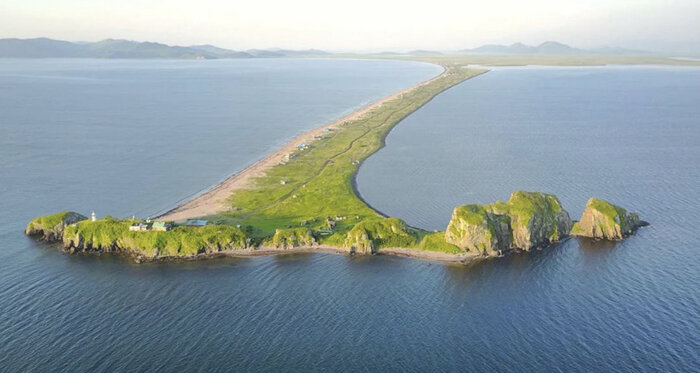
{"type": "Point", "coordinates": [93, 217]}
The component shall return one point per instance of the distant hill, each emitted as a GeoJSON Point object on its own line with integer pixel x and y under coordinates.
{"type": "Point", "coordinates": [276, 52]}
{"type": "Point", "coordinates": [547, 48]}
{"type": "Point", "coordinates": [116, 48]}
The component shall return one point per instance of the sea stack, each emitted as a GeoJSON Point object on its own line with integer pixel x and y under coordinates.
{"type": "Point", "coordinates": [603, 220]}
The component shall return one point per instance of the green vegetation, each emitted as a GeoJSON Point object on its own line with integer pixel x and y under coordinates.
{"type": "Point", "coordinates": [603, 220]}
{"type": "Point", "coordinates": [477, 229]}
{"type": "Point", "coordinates": [310, 200]}
{"type": "Point", "coordinates": [51, 227]}
{"type": "Point", "coordinates": [291, 237]}
{"type": "Point", "coordinates": [527, 220]}
{"type": "Point", "coordinates": [369, 235]}
{"type": "Point", "coordinates": [319, 181]}
{"type": "Point", "coordinates": [435, 241]}
{"type": "Point", "coordinates": [315, 205]}
{"type": "Point", "coordinates": [110, 234]}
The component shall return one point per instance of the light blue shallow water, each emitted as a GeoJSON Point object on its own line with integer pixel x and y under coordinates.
{"type": "Point", "coordinates": [134, 136]}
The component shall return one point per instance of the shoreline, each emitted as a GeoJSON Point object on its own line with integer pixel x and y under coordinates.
{"type": "Point", "coordinates": [351, 139]}
{"type": "Point", "coordinates": [213, 200]}
{"type": "Point", "coordinates": [433, 256]}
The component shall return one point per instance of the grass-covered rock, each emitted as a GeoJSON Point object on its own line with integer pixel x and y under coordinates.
{"type": "Point", "coordinates": [527, 220]}
{"type": "Point", "coordinates": [113, 235]}
{"type": "Point", "coordinates": [536, 219]}
{"type": "Point", "coordinates": [603, 220]}
{"type": "Point", "coordinates": [51, 227]}
{"type": "Point", "coordinates": [292, 237]}
{"type": "Point", "coordinates": [369, 235]}
{"type": "Point", "coordinates": [477, 230]}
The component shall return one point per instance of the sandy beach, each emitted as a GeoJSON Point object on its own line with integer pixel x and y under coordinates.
{"type": "Point", "coordinates": [215, 200]}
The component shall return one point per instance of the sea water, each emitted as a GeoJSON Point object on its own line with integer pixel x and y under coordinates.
{"type": "Point", "coordinates": [133, 137]}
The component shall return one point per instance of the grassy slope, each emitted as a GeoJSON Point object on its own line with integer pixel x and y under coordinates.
{"type": "Point", "coordinates": [319, 180]}
{"type": "Point", "coordinates": [109, 232]}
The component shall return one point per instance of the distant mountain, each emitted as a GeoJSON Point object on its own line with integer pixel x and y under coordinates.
{"type": "Point", "coordinates": [546, 48]}
{"type": "Point", "coordinates": [421, 52]}
{"type": "Point", "coordinates": [115, 48]}
{"type": "Point", "coordinates": [41, 47]}
{"type": "Point", "coordinates": [276, 52]}
{"type": "Point", "coordinates": [221, 52]}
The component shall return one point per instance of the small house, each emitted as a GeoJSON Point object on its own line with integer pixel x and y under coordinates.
{"type": "Point", "coordinates": [135, 227]}
{"type": "Point", "coordinates": [161, 226]}
{"type": "Point", "coordinates": [196, 223]}
{"type": "Point", "coordinates": [144, 227]}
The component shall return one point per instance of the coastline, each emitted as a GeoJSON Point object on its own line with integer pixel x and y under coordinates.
{"type": "Point", "coordinates": [326, 182]}
{"type": "Point", "coordinates": [213, 200]}
{"type": "Point", "coordinates": [433, 256]}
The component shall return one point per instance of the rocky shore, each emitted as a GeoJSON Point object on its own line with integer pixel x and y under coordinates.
{"type": "Point", "coordinates": [528, 220]}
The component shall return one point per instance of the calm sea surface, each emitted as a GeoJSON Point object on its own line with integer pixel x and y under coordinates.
{"type": "Point", "coordinates": [132, 137]}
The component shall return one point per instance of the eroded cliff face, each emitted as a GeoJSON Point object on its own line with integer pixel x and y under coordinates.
{"type": "Point", "coordinates": [526, 221]}
{"type": "Point", "coordinates": [603, 220]}
{"type": "Point", "coordinates": [475, 229]}
{"type": "Point", "coordinates": [369, 235]}
{"type": "Point", "coordinates": [51, 227]}
{"type": "Point", "coordinates": [292, 238]}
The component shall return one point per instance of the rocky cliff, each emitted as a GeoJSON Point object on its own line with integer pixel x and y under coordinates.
{"type": "Point", "coordinates": [292, 237]}
{"type": "Point", "coordinates": [369, 235]}
{"type": "Point", "coordinates": [51, 227]}
{"type": "Point", "coordinates": [525, 221]}
{"type": "Point", "coordinates": [603, 220]}
{"type": "Point", "coordinates": [475, 229]}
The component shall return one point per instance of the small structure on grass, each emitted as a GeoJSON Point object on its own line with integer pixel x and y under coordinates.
{"type": "Point", "coordinates": [161, 226]}
{"type": "Point", "coordinates": [196, 223]}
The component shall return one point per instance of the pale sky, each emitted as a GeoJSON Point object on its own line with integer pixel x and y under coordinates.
{"type": "Point", "coordinates": [361, 25]}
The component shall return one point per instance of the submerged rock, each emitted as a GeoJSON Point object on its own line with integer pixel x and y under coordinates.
{"type": "Point", "coordinates": [603, 220]}
{"type": "Point", "coordinates": [527, 220]}
{"type": "Point", "coordinates": [51, 227]}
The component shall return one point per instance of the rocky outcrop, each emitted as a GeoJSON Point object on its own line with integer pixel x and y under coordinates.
{"type": "Point", "coordinates": [292, 237]}
{"type": "Point", "coordinates": [603, 220]}
{"type": "Point", "coordinates": [526, 221]}
{"type": "Point", "coordinates": [536, 219]}
{"type": "Point", "coordinates": [475, 229]}
{"type": "Point", "coordinates": [51, 227]}
{"type": "Point", "coordinates": [369, 235]}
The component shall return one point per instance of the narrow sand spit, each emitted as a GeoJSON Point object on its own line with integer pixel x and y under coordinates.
{"type": "Point", "coordinates": [215, 200]}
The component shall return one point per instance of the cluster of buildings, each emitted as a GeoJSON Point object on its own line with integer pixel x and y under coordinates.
{"type": "Point", "coordinates": [162, 226]}
{"type": "Point", "coordinates": [158, 226]}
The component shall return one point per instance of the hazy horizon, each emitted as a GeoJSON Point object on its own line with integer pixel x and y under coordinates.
{"type": "Point", "coordinates": [662, 26]}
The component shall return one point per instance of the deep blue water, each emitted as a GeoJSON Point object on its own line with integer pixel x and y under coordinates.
{"type": "Point", "coordinates": [131, 137]}
{"type": "Point", "coordinates": [627, 134]}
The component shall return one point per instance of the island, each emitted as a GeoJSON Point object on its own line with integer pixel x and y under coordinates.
{"type": "Point", "coordinates": [303, 198]}
{"type": "Point", "coordinates": [605, 221]}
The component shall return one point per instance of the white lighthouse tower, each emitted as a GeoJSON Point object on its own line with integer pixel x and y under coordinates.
{"type": "Point", "coordinates": [93, 217]}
